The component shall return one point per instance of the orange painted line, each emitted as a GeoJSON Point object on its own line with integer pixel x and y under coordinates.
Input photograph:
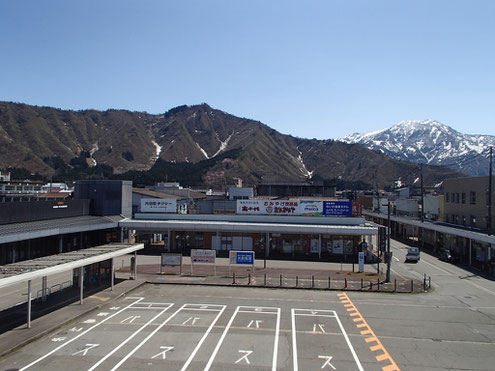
{"type": "Point", "coordinates": [372, 338]}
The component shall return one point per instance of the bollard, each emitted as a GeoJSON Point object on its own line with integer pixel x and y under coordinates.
{"type": "Point", "coordinates": [280, 280]}
{"type": "Point", "coordinates": [249, 278]}
{"type": "Point", "coordinates": [361, 283]}
{"type": "Point", "coordinates": [412, 285]}
{"type": "Point", "coordinates": [329, 282]}
{"type": "Point", "coordinates": [345, 283]}
{"type": "Point", "coordinates": [297, 281]}
{"type": "Point", "coordinates": [424, 283]}
{"type": "Point", "coordinates": [312, 282]}
{"type": "Point", "coordinates": [429, 282]}
{"type": "Point", "coordinates": [395, 285]}
{"type": "Point", "coordinates": [233, 278]}
{"type": "Point", "coordinates": [378, 284]}
{"type": "Point", "coordinates": [371, 285]}
{"type": "Point", "coordinates": [265, 279]}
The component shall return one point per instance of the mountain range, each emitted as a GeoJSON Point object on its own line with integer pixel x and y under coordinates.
{"type": "Point", "coordinates": [430, 142]}
{"type": "Point", "coordinates": [197, 145]}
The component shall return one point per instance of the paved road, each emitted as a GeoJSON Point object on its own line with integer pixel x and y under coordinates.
{"type": "Point", "coordinates": [200, 327]}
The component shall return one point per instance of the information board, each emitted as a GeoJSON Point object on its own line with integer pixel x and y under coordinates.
{"type": "Point", "coordinates": [170, 259]}
{"type": "Point", "coordinates": [203, 256]}
{"type": "Point", "coordinates": [241, 258]}
{"type": "Point", "coordinates": [337, 208]}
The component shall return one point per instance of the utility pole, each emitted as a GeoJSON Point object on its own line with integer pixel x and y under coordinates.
{"type": "Point", "coordinates": [490, 191]}
{"type": "Point", "coordinates": [422, 196]}
{"type": "Point", "coordinates": [389, 256]}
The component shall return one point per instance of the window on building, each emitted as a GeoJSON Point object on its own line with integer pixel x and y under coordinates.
{"type": "Point", "coordinates": [447, 197]}
{"type": "Point", "coordinates": [9, 188]}
{"type": "Point", "coordinates": [463, 197]}
{"type": "Point", "coordinates": [472, 198]}
{"type": "Point", "coordinates": [473, 220]}
{"type": "Point", "coordinates": [463, 220]}
{"type": "Point", "coordinates": [457, 219]}
{"type": "Point", "coordinates": [457, 198]}
{"type": "Point", "coordinates": [18, 188]}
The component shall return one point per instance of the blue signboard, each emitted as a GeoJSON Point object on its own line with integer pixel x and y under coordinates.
{"type": "Point", "coordinates": [337, 208]}
{"type": "Point", "coordinates": [242, 257]}
{"type": "Point", "coordinates": [245, 258]}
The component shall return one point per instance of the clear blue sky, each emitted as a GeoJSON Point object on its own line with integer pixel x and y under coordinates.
{"type": "Point", "coordinates": [313, 69]}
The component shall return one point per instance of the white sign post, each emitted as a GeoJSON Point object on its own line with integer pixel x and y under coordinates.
{"type": "Point", "coordinates": [361, 261]}
{"type": "Point", "coordinates": [241, 258]}
{"type": "Point", "coordinates": [172, 260]}
{"type": "Point", "coordinates": [203, 256]}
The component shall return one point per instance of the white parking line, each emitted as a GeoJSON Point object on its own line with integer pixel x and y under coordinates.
{"type": "Point", "coordinates": [129, 338]}
{"type": "Point", "coordinates": [318, 313]}
{"type": "Point", "coordinates": [81, 334]}
{"type": "Point", "coordinates": [201, 307]}
{"type": "Point", "coordinates": [251, 310]}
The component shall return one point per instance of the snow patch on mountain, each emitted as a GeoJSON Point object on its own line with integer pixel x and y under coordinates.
{"type": "Point", "coordinates": [223, 144]}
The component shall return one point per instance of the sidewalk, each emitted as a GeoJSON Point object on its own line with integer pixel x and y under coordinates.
{"type": "Point", "coordinates": [279, 273]}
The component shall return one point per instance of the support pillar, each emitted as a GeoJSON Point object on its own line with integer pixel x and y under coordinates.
{"type": "Point", "coordinates": [81, 284]}
{"type": "Point", "coordinates": [29, 305]}
{"type": "Point", "coordinates": [122, 235]}
{"type": "Point", "coordinates": [60, 244]}
{"type": "Point", "coordinates": [169, 235]}
{"type": "Point", "coordinates": [319, 246]}
{"type": "Point", "coordinates": [112, 274]}
{"type": "Point", "coordinates": [470, 247]}
{"type": "Point", "coordinates": [135, 265]}
{"type": "Point", "coordinates": [44, 284]}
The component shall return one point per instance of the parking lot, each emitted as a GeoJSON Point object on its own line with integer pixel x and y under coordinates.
{"type": "Point", "coordinates": [218, 328]}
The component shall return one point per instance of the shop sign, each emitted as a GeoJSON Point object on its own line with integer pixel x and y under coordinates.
{"type": "Point", "coordinates": [337, 208]}
{"type": "Point", "coordinates": [267, 207]}
{"type": "Point", "coordinates": [158, 205]}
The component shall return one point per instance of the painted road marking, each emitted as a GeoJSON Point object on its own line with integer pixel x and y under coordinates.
{"type": "Point", "coordinates": [245, 356]}
{"type": "Point", "coordinates": [178, 317]}
{"type": "Point", "coordinates": [85, 350]}
{"type": "Point", "coordinates": [370, 335]}
{"type": "Point", "coordinates": [327, 362]}
{"type": "Point", "coordinates": [258, 345]}
{"type": "Point", "coordinates": [164, 353]}
{"type": "Point", "coordinates": [130, 337]}
{"type": "Point", "coordinates": [303, 320]}
{"type": "Point", "coordinates": [77, 336]}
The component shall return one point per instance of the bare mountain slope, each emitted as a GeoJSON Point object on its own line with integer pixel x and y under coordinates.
{"type": "Point", "coordinates": [32, 137]}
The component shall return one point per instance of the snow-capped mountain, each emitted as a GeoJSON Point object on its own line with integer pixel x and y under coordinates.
{"type": "Point", "coordinates": [432, 143]}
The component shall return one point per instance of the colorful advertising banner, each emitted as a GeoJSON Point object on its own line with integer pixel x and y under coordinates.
{"type": "Point", "coordinates": [267, 207]}
{"type": "Point", "coordinates": [310, 208]}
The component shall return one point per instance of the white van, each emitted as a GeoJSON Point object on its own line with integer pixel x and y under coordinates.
{"type": "Point", "coordinates": [412, 254]}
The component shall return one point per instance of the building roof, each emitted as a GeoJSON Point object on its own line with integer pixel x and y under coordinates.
{"type": "Point", "coordinates": [54, 227]}
{"type": "Point", "coordinates": [477, 236]}
{"type": "Point", "coordinates": [156, 194]}
{"type": "Point", "coordinates": [47, 265]}
{"type": "Point", "coordinates": [250, 227]}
